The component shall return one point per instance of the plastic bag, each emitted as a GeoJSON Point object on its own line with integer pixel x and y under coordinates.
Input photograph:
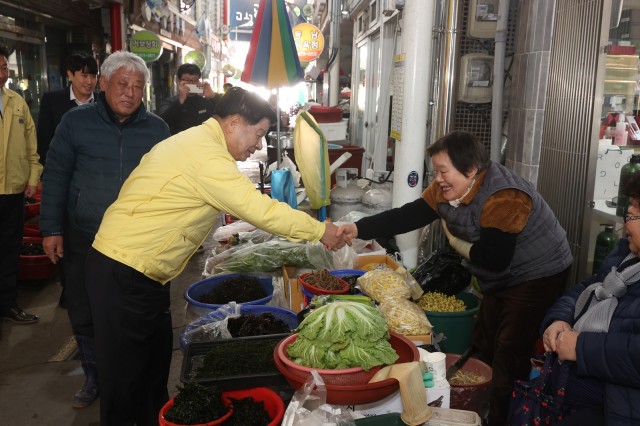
{"type": "Point", "coordinates": [269, 256]}
{"type": "Point", "coordinates": [226, 233]}
{"type": "Point", "coordinates": [382, 284]}
{"type": "Point", "coordinates": [213, 326]}
{"type": "Point", "coordinates": [308, 406]}
{"type": "Point", "coordinates": [443, 272]}
{"type": "Point", "coordinates": [405, 317]}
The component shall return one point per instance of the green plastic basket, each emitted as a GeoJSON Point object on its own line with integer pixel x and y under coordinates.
{"type": "Point", "coordinates": [456, 326]}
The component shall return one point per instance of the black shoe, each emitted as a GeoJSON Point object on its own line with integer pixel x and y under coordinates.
{"type": "Point", "coordinates": [18, 316]}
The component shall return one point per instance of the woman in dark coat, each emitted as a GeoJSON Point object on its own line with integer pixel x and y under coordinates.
{"type": "Point", "coordinates": [596, 325]}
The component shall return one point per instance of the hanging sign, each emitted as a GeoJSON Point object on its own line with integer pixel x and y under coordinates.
{"type": "Point", "coordinates": [147, 45]}
{"type": "Point", "coordinates": [309, 41]}
{"type": "Point", "coordinates": [195, 57]}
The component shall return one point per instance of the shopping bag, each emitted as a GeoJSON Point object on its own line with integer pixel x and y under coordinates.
{"type": "Point", "coordinates": [443, 272]}
{"type": "Point", "coordinates": [540, 401]}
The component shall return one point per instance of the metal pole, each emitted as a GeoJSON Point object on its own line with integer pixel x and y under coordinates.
{"type": "Point", "coordinates": [409, 154]}
{"type": "Point", "coordinates": [498, 80]}
{"type": "Point", "coordinates": [279, 148]}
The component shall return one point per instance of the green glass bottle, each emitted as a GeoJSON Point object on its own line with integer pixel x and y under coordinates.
{"type": "Point", "coordinates": [626, 172]}
{"type": "Point", "coordinates": [605, 242]}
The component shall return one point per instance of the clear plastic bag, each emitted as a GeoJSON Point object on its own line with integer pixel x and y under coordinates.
{"type": "Point", "coordinates": [405, 317]}
{"type": "Point", "coordinates": [382, 284]}
{"type": "Point", "coordinates": [213, 326]}
{"type": "Point", "coordinates": [308, 406]}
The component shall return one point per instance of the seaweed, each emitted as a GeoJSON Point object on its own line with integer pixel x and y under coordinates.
{"type": "Point", "coordinates": [239, 289]}
{"type": "Point", "coordinates": [238, 358]}
{"type": "Point", "coordinates": [247, 412]}
{"type": "Point", "coordinates": [196, 404]}
{"type": "Point", "coordinates": [256, 325]}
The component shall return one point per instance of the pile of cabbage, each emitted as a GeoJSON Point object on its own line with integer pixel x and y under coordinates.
{"type": "Point", "coordinates": [343, 335]}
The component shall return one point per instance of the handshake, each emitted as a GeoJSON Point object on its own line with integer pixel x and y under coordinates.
{"type": "Point", "coordinates": [335, 237]}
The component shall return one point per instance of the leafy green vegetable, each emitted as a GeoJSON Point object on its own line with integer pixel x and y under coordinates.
{"type": "Point", "coordinates": [343, 335]}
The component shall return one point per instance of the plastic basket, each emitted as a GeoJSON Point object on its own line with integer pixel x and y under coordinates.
{"type": "Point", "coordinates": [273, 404]}
{"type": "Point", "coordinates": [313, 290]}
{"type": "Point", "coordinates": [195, 353]}
{"type": "Point", "coordinates": [36, 267]}
{"type": "Point", "coordinates": [287, 316]}
{"type": "Point", "coordinates": [200, 288]}
{"type": "Point", "coordinates": [164, 422]}
{"type": "Point", "coordinates": [456, 326]}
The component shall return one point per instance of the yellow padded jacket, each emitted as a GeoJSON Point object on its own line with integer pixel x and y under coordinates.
{"type": "Point", "coordinates": [19, 160]}
{"type": "Point", "coordinates": [169, 204]}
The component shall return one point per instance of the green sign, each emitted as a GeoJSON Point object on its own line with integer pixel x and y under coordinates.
{"type": "Point", "coordinates": [147, 45]}
{"type": "Point", "coordinates": [195, 57]}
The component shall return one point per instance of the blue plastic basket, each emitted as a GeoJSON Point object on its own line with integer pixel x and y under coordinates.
{"type": "Point", "coordinates": [287, 316]}
{"type": "Point", "coordinates": [196, 290]}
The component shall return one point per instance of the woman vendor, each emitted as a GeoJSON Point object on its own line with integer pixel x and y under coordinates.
{"type": "Point", "coordinates": [512, 241]}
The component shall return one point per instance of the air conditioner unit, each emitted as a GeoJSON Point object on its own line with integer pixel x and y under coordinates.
{"type": "Point", "coordinates": [390, 6]}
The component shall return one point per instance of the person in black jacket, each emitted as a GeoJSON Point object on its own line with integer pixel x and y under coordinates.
{"type": "Point", "coordinates": [95, 148]}
{"type": "Point", "coordinates": [194, 103]}
{"type": "Point", "coordinates": [82, 72]}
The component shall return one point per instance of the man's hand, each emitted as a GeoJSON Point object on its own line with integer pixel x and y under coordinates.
{"type": "Point", "coordinates": [207, 91]}
{"type": "Point", "coordinates": [550, 336]}
{"type": "Point", "coordinates": [53, 247]}
{"type": "Point", "coordinates": [349, 231]}
{"type": "Point", "coordinates": [30, 190]}
{"type": "Point", "coordinates": [331, 239]}
{"type": "Point", "coordinates": [183, 91]}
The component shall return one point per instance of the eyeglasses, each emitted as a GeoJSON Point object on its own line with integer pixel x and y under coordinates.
{"type": "Point", "coordinates": [628, 217]}
{"type": "Point", "coordinates": [190, 81]}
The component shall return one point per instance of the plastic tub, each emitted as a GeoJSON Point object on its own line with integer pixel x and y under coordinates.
{"type": "Point", "coordinates": [325, 114]}
{"type": "Point", "coordinates": [35, 267]}
{"type": "Point", "coordinates": [164, 422]}
{"type": "Point", "coordinates": [286, 315]}
{"type": "Point", "coordinates": [272, 401]}
{"type": "Point", "coordinates": [471, 397]}
{"type": "Point", "coordinates": [200, 288]}
{"type": "Point", "coordinates": [456, 326]}
{"type": "Point", "coordinates": [313, 290]}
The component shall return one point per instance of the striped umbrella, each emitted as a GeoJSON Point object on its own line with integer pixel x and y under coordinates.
{"type": "Point", "coordinates": [272, 60]}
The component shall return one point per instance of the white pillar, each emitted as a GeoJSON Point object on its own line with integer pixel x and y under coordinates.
{"type": "Point", "coordinates": [498, 80]}
{"type": "Point", "coordinates": [334, 52]}
{"type": "Point", "coordinates": [417, 25]}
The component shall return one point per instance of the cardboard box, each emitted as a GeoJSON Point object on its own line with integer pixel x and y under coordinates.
{"type": "Point", "coordinates": [393, 403]}
{"type": "Point", "coordinates": [377, 258]}
{"type": "Point", "coordinates": [420, 339]}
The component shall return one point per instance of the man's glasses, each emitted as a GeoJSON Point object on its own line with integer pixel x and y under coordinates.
{"type": "Point", "coordinates": [628, 217]}
{"type": "Point", "coordinates": [191, 81]}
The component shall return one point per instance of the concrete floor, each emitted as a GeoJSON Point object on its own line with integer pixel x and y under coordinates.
{"type": "Point", "coordinates": [37, 378]}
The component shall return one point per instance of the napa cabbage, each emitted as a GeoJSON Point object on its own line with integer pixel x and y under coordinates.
{"type": "Point", "coordinates": [343, 335]}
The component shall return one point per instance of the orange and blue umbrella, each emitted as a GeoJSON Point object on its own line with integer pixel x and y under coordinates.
{"type": "Point", "coordinates": [272, 60]}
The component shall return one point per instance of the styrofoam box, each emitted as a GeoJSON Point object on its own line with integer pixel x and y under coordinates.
{"type": "Point", "coordinates": [393, 403]}
{"type": "Point", "coordinates": [334, 131]}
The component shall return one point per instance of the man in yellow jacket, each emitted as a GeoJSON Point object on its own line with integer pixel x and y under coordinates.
{"type": "Point", "coordinates": [19, 176]}
{"type": "Point", "coordinates": [163, 213]}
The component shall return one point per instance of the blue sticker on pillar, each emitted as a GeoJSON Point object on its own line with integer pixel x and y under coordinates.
{"type": "Point", "coordinates": [413, 179]}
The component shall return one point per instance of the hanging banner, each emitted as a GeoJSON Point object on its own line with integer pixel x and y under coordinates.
{"type": "Point", "coordinates": [309, 41]}
{"type": "Point", "coordinates": [147, 45]}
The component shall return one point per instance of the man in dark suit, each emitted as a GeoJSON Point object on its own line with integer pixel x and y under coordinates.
{"type": "Point", "coordinates": [82, 71]}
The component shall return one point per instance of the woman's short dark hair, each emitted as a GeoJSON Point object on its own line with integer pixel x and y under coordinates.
{"type": "Point", "coordinates": [248, 105]}
{"type": "Point", "coordinates": [188, 69]}
{"type": "Point", "coordinates": [4, 52]}
{"type": "Point", "coordinates": [464, 149]}
{"type": "Point", "coordinates": [631, 187]}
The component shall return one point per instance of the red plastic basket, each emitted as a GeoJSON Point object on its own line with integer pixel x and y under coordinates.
{"type": "Point", "coordinates": [344, 376]}
{"type": "Point", "coordinates": [34, 268]}
{"type": "Point", "coordinates": [317, 290]}
{"type": "Point", "coordinates": [164, 422]}
{"type": "Point", "coordinates": [358, 394]}
{"type": "Point", "coordinates": [325, 114]}
{"type": "Point", "coordinates": [272, 401]}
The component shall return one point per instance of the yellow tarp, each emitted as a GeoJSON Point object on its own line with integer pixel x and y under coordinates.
{"type": "Point", "coordinates": [312, 159]}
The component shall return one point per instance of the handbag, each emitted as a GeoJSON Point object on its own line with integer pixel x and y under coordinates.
{"type": "Point", "coordinates": [540, 401]}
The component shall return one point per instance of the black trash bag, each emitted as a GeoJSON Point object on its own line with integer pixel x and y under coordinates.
{"type": "Point", "coordinates": [444, 272]}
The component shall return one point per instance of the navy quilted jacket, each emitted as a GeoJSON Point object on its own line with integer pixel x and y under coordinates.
{"type": "Point", "coordinates": [89, 159]}
{"type": "Point", "coordinates": [612, 357]}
